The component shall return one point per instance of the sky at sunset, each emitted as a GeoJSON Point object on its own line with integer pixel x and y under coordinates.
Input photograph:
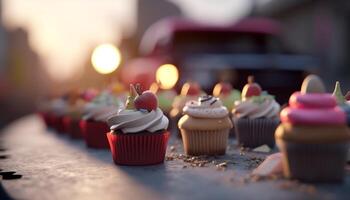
{"type": "Point", "coordinates": [64, 31]}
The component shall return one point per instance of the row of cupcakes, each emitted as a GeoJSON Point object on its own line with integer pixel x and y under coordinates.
{"type": "Point", "coordinates": [206, 123]}
{"type": "Point", "coordinates": [83, 114]}
{"type": "Point", "coordinates": [313, 135]}
{"type": "Point", "coordinates": [138, 132]}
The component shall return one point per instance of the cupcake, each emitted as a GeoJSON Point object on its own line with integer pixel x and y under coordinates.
{"type": "Point", "coordinates": [190, 91]}
{"type": "Point", "coordinates": [313, 136]}
{"type": "Point", "coordinates": [342, 102]}
{"type": "Point", "coordinates": [347, 96]}
{"type": "Point", "coordinates": [74, 114]}
{"type": "Point", "coordinates": [58, 109]}
{"type": "Point", "coordinates": [226, 94]}
{"type": "Point", "coordinates": [138, 133]}
{"type": "Point", "coordinates": [94, 123]}
{"type": "Point", "coordinates": [205, 127]}
{"type": "Point", "coordinates": [255, 117]}
{"type": "Point", "coordinates": [43, 111]}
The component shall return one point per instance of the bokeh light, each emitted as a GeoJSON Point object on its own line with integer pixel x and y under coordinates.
{"type": "Point", "coordinates": [105, 58]}
{"type": "Point", "coordinates": [167, 75]}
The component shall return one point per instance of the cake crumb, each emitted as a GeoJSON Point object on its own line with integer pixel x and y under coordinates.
{"type": "Point", "coordinates": [262, 149]}
{"type": "Point", "coordinates": [172, 148]}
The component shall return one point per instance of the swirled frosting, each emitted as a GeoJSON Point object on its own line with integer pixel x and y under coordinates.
{"type": "Point", "coordinates": [313, 118]}
{"type": "Point", "coordinates": [101, 107]}
{"type": "Point", "coordinates": [265, 107]}
{"type": "Point", "coordinates": [59, 107]}
{"type": "Point", "coordinates": [133, 121]}
{"type": "Point", "coordinates": [75, 109]}
{"type": "Point", "coordinates": [179, 103]}
{"type": "Point", "coordinates": [206, 107]}
{"type": "Point", "coordinates": [313, 109]}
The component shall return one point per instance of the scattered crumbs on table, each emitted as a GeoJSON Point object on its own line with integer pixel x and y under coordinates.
{"type": "Point", "coordinates": [221, 166]}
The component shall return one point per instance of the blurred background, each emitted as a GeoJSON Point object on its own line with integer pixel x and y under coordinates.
{"type": "Point", "coordinates": [48, 47]}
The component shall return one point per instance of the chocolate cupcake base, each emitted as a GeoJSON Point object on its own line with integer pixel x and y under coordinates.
{"type": "Point", "coordinates": [255, 132]}
{"type": "Point", "coordinates": [314, 162]}
{"type": "Point", "coordinates": [205, 142]}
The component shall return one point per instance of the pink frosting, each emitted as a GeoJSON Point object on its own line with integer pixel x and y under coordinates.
{"type": "Point", "coordinates": [313, 116]}
{"type": "Point", "coordinates": [313, 109]}
{"type": "Point", "coordinates": [312, 100]}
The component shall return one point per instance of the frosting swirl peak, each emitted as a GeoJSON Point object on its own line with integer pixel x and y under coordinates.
{"type": "Point", "coordinates": [264, 107]}
{"type": "Point", "coordinates": [102, 107]}
{"type": "Point", "coordinates": [141, 114]}
{"type": "Point", "coordinates": [206, 107]}
{"type": "Point", "coordinates": [132, 121]}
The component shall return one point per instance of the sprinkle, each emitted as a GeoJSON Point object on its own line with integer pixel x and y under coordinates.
{"type": "Point", "coordinates": [143, 110]}
{"type": "Point", "coordinates": [206, 98]}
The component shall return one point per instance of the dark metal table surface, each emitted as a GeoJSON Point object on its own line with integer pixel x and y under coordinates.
{"type": "Point", "coordinates": [54, 166]}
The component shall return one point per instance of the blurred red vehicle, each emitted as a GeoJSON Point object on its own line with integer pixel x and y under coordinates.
{"type": "Point", "coordinates": [209, 54]}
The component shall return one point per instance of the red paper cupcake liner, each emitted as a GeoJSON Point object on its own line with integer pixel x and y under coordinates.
{"type": "Point", "coordinates": [138, 149]}
{"type": "Point", "coordinates": [66, 124]}
{"type": "Point", "coordinates": [71, 126]}
{"type": "Point", "coordinates": [95, 134]}
{"type": "Point", "coordinates": [46, 118]}
{"type": "Point", "coordinates": [57, 123]}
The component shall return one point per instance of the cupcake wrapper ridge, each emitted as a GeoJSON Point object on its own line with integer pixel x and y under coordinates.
{"type": "Point", "coordinates": [139, 148]}
{"type": "Point", "coordinates": [57, 123]}
{"type": "Point", "coordinates": [94, 134]}
{"type": "Point", "coordinates": [210, 142]}
{"type": "Point", "coordinates": [71, 126]}
{"type": "Point", "coordinates": [255, 132]}
{"type": "Point", "coordinates": [314, 162]}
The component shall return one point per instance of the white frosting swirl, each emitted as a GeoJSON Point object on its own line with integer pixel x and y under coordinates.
{"type": "Point", "coordinates": [269, 108]}
{"type": "Point", "coordinates": [59, 107]}
{"type": "Point", "coordinates": [99, 113]}
{"type": "Point", "coordinates": [102, 107]}
{"type": "Point", "coordinates": [206, 107]}
{"type": "Point", "coordinates": [133, 121]}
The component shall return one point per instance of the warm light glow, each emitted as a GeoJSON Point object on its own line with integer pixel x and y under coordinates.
{"type": "Point", "coordinates": [167, 75]}
{"type": "Point", "coordinates": [154, 88]}
{"type": "Point", "coordinates": [105, 58]}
